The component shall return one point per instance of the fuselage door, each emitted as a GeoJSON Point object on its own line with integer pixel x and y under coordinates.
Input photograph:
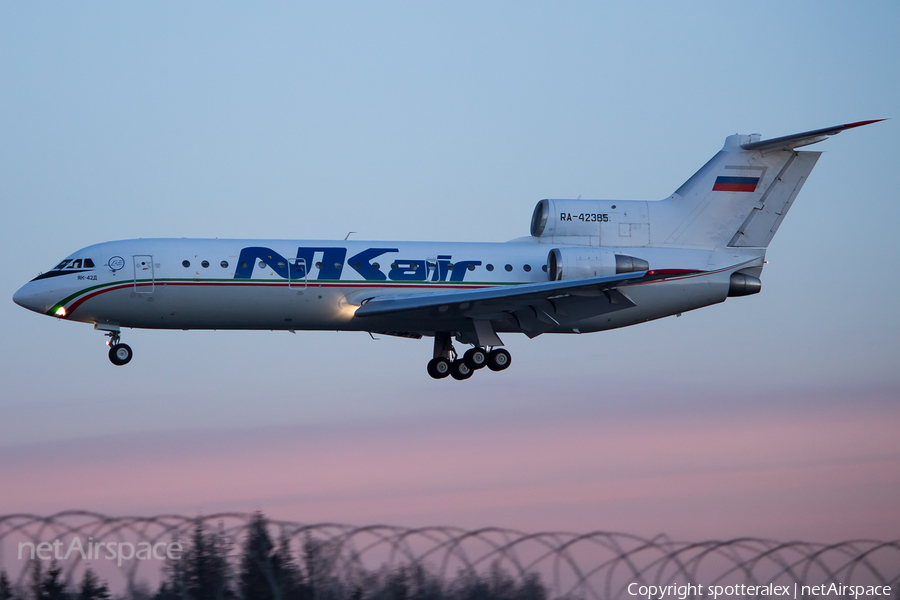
{"type": "Point", "coordinates": [144, 279]}
{"type": "Point", "coordinates": [297, 272]}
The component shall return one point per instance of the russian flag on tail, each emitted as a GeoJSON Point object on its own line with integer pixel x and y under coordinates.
{"type": "Point", "coordinates": [735, 184]}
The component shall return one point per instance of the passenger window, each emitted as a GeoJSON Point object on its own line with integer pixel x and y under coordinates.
{"type": "Point", "coordinates": [205, 264]}
{"type": "Point", "coordinates": [508, 267]}
{"type": "Point", "coordinates": [527, 268]}
{"type": "Point", "coordinates": [490, 267]}
{"type": "Point", "coordinates": [185, 263]}
{"type": "Point", "coordinates": [262, 265]}
{"type": "Point", "coordinates": [224, 264]}
{"type": "Point", "coordinates": [243, 264]}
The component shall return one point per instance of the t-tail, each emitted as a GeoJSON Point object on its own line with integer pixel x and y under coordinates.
{"type": "Point", "coordinates": [740, 197]}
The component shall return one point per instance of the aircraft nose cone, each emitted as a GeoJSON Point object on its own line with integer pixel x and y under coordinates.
{"type": "Point", "coordinates": [27, 298]}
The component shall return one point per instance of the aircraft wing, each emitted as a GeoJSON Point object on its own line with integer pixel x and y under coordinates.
{"type": "Point", "coordinates": [533, 307]}
{"type": "Point", "coordinates": [789, 142]}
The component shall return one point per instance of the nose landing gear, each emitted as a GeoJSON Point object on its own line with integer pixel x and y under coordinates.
{"type": "Point", "coordinates": [119, 354]}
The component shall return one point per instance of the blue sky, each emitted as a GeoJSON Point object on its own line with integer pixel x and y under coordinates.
{"type": "Point", "coordinates": [442, 121]}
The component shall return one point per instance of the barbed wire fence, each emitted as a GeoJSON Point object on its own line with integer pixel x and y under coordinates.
{"type": "Point", "coordinates": [597, 565]}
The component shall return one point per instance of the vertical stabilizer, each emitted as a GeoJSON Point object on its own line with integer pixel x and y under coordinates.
{"type": "Point", "coordinates": [763, 221]}
{"type": "Point", "coordinates": [740, 197]}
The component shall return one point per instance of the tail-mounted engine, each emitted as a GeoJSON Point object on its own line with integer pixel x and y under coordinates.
{"type": "Point", "coordinates": [617, 223]}
{"type": "Point", "coordinates": [578, 262]}
{"type": "Point", "coordinates": [743, 285]}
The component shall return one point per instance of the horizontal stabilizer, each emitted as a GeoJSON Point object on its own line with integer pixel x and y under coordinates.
{"type": "Point", "coordinates": [789, 142]}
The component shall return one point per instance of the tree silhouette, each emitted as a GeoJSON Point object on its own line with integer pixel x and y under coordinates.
{"type": "Point", "coordinates": [208, 572]}
{"type": "Point", "coordinates": [496, 585]}
{"type": "Point", "coordinates": [6, 592]}
{"type": "Point", "coordinates": [174, 584]}
{"type": "Point", "coordinates": [290, 578]}
{"type": "Point", "coordinates": [91, 588]}
{"type": "Point", "coordinates": [49, 587]}
{"type": "Point", "coordinates": [266, 572]}
{"type": "Point", "coordinates": [269, 571]}
{"type": "Point", "coordinates": [202, 572]}
{"type": "Point", "coordinates": [319, 581]}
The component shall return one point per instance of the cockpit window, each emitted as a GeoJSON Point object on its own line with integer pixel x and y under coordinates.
{"type": "Point", "coordinates": [70, 266]}
{"type": "Point", "coordinates": [78, 263]}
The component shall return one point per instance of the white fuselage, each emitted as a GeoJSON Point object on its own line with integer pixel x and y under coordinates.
{"type": "Point", "coordinates": [318, 285]}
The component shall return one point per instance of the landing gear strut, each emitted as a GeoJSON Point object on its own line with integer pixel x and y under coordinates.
{"type": "Point", "coordinates": [446, 361]}
{"type": "Point", "coordinates": [119, 354]}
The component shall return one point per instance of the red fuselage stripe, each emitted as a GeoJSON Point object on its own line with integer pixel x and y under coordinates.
{"type": "Point", "coordinates": [86, 297]}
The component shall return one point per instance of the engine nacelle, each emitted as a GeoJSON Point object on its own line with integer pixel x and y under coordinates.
{"type": "Point", "coordinates": [579, 262]}
{"type": "Point", "coordinates": [743, 285]}
{"type": "Point", "coordinates": [616, 223]}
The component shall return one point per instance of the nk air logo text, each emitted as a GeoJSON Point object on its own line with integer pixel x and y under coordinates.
{"type": "Point", "coordinates": [372, 264]}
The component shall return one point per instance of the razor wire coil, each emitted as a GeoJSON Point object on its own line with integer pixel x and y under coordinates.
{"type": "Point", "coordinates": [596, 565]}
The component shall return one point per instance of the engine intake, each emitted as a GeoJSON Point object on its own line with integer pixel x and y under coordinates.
{"type": "Point", "coordinates": [598, 223]}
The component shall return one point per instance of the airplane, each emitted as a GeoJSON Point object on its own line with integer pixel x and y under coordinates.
{"type": "Point", "coordinates": [587, 266]}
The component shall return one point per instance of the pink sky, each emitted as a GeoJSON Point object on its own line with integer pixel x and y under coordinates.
{"type": "Point", "coordinates": [823, 475]}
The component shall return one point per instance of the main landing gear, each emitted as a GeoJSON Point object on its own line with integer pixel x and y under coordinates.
{"type": "Point", "coordinates": [447, 362]}
{"type": "Point", "coordinates": [119, 354]}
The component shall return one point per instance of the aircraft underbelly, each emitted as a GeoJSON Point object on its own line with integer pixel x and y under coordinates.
{"type": "Point", "coordinates": [218, 307]}
{"type": "Point", "coordinates": [662, 299]}
{"type": "Point", "coordinates": [175, 306]}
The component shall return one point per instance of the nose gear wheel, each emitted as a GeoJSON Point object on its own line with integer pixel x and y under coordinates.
{"type": "Point", "coordinates": [120, 354]}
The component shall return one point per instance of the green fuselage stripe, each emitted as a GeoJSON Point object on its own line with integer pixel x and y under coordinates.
{"type": "Point", "coordinates": [298, 283]}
